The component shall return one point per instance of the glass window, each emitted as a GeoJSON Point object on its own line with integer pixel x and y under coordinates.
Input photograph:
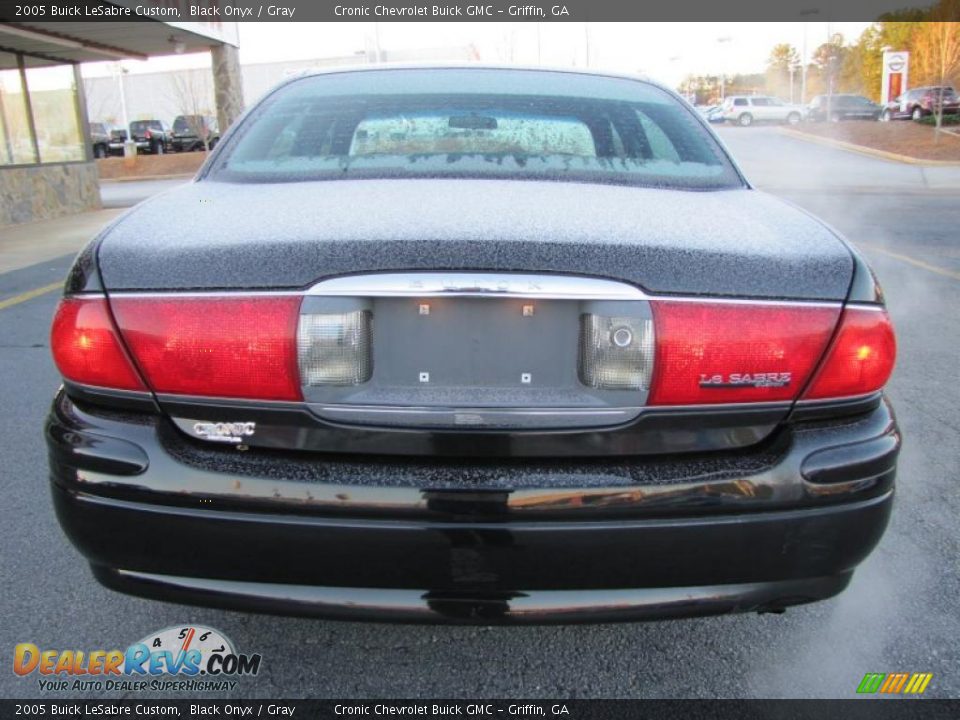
{"type": "Point", "coordinates": [760, 101]}
{"type": "Point", "coordinates": [16, 148]}
{"type": "Point", "coordinates": [54, 101]}
{"type": "Point", "coordinates": [512, 124]}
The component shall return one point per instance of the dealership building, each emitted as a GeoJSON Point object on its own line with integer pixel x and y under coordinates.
{"type": "Point", "coordinates": [46, 162]}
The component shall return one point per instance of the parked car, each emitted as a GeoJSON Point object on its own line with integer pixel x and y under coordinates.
{"type": "Point", "coordinates": [100, 139]}
{"type": "Point", "coordinates": [716, 116]}
{"type": "Point", "coordinates": [713, 113]}
{"type": "Point", "coordinates": [118, 136]}
{"type": "Point", "coordinates": [747, 109]}
{"type": "Point", "coordinates": [919, 102]}
{"type": "Point", "coordinates": [472, 345]}
{"type": "Point", "coordinates": [842, 107]}
{"type": "Point", "coordinates": [189, 132]}
{"type": "Point", "coordinates": [151, 136]}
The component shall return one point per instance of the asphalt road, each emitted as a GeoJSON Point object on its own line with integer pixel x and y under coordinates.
{"type": "Point", "coordinates": [901, 612]}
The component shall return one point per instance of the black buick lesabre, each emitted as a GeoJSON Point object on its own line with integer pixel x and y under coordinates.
{"type": "Point", "coordinates": [472, 345]}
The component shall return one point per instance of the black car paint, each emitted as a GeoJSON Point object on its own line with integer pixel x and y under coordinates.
{"type": "Point", "coordinates": [114, 475]}
{"type": "Point", "coordinates": [748, 243]}
{"type": "Point", "coordinates": [784, 521]}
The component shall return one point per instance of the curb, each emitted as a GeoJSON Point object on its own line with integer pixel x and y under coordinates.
{"type": "Point", "coordinates": [864, 150]}
{"type": "Point", "coordinates": [179, 176]}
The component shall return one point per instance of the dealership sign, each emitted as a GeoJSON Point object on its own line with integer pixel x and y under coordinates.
{"type": "Point", "coordinates": [896, 65]}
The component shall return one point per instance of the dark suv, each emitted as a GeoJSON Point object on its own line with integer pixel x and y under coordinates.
{"type": "Point", "coordinates": [190, 131]}
{"type": "Point", "coordinates": [100, 139]}
{"type": "Point", "coordinates": [842, 107]}
{"type": "Point", "coordinates": [920, 102]}
{"type": "Point", "coordinates": [151, 136]}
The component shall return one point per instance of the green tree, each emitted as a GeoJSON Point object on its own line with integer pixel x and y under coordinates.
{"type": "Point", "coordinates": [897, 31]}
{"type": "Point", "coordinates": [782, 58]}
{"type": "Point", "coordinates": [937, 57]}
{"type": "Point", "coordinates": [829, 60]}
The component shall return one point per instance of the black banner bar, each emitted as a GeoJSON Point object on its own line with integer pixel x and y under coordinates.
{"type": "Point", "coordinates": [892, 709]}
{"type": "Point", "coordinates": [32, 11]}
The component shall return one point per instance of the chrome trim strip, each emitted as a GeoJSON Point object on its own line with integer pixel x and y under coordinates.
{"type": "Point", "coordinates": [108, 391]}
{"type": "Point", "coordinates": [426, 410]}
{"type": "Point", "coordinates": [851, 399]}
{"type": "Point", "coordinates": [202, 293]}
{"type": "Point", "coordinates": [300, 405]}
{"type": "Point", "coordinates": [707, 299]}
{"type": "Point", "coordinates": [477, 284]}
{"type": "Point", "coordinates": [231, 401]}
{"type": "Point", "coordinates": [477, 418]}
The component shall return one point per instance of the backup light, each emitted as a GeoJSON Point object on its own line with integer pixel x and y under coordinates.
{"type": "Point", "coordinates": [335, 349]}
{"type": "Point", "coordinates": [616, 353]}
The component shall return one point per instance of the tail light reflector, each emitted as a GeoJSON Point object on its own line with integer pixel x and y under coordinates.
{"type": "Point", "coordinates": [860, 359]}
{"type": "Point", "coordinates": [708, 353]}
{"type": "Point", "coordinates": [244, 347]}
{"type": "Point", "coordinates": [86, 348]}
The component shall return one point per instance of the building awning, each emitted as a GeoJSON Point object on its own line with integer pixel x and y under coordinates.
{"type": "Point", "coordinates": [73, 42]}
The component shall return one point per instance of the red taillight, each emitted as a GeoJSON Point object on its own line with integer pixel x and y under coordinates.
{"type": "Point", "coordinates": [719, 352]}
{"type": "Point", "coordinates": [86, 348]}
{"type": "Point", "coordinates": [214, 346]}
{"type": "Point", "coordinates": [860, 359]}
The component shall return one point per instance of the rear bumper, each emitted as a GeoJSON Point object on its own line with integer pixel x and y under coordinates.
{"type": "Point", "coordinates": [762, 541]}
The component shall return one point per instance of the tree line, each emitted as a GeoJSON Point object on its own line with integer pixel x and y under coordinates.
{"type": "Point", "coordinates": [852, 67]}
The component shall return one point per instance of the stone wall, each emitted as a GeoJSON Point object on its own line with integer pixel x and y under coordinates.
{"type": "Point", "coordinates": [42, 192]}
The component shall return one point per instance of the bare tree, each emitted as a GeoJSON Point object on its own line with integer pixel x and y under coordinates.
{"type": "Point", "coordinates": [938, 56]}
{"type": "Point", "coordinates": [192, 94]}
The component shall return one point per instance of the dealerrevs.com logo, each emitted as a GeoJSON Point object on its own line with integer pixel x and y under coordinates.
{"type": "Point", "coordinates": [187, 658]}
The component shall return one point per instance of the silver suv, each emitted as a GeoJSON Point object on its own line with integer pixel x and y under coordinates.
{"type": "Point", "coordinates": [745, 110]}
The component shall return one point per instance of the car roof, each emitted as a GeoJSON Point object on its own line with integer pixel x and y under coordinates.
{"type": "Point", "coordinates": [341, 69]}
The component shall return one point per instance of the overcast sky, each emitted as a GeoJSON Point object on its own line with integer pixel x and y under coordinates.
{"type": "Point", "coordinates": [664, 51]}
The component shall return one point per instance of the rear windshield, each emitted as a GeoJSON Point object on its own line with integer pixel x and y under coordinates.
{"type": "Point", "coordinates": [475, 123]}
{"type": "Point", "coordinates": [141, 125]}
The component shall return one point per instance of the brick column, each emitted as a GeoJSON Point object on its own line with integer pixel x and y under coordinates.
{"type": "Point", "coordinates": [227, 84]}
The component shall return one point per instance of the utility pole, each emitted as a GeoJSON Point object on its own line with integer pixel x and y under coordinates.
{"type": "Point", "coordinates": [586, 38]}
{"type": "Point", "coordinates": [121, 71]}
{"type": "Point", "coordinates": [803, 68]}
{"type": "Point", "coordinates": [723, 94]}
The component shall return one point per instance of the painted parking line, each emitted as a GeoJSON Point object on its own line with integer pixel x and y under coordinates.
{"type": "Point", "coordinates": [30, 295]}
{"type": "Point", "coordinates": [913, 261]}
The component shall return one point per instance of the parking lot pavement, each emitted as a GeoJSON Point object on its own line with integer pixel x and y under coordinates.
{"type": "Point", "coordinates": [775, 161]}
{"type": "Point", "coordinates": [25, 245]}
{"type": "Point", "coordinates": [123, 194]}
{"type": "Point", "coordinates": [901, 612]}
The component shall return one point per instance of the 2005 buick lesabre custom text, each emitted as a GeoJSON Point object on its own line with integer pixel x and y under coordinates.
{"type": "Point", "coordinates": [472, 345]}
